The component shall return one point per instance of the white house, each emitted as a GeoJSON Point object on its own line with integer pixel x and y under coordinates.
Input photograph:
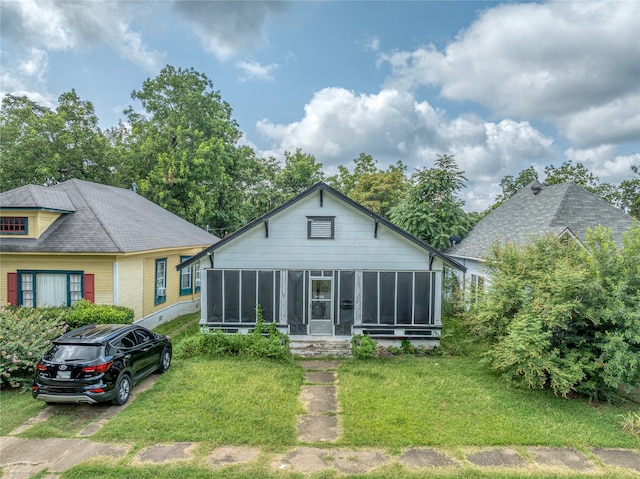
{"type": "Point", "coordinates": [324, 267]}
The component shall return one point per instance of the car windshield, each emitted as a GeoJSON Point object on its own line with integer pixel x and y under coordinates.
{"type": "Point", "coordinates": [60, 353]}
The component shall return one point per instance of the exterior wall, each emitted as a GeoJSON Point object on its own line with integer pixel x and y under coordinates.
{"type": "Point", "coordinates": [130, 284]}
{"type": "Point", "coordinates": [126, 280]}
{"type": "Point", "coordinates": [37, 221]}
{"type": "Point", "coordinates": [172, 281]}
{"type": "Point", "coordinates": [354, 246]}
{"type": "Point", "coordinates": [100, 266]}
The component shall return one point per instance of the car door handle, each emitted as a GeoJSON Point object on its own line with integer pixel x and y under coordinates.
{"type": "Point", "coordinates": [145, 350]}
{"type": "Point", "coordinates": [127, 356]}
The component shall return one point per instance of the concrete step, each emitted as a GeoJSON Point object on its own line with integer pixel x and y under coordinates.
{"type": "Point", "coordinates": [320, 348]}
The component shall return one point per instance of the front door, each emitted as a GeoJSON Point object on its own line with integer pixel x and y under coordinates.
{"type": "Point", "coordinates": [321, 317]}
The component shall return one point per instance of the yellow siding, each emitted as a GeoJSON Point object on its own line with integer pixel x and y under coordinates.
{"type": "Point", "coordinates": [135, 277]}
{"type": "Point", "coordinates": [173, 279]}
{"type": "Point", "coordinates": [100, 266]}
{"type": "Point", "coordinates": [130, 284]}
{"type": "Point", "coordinates": [37, 221]}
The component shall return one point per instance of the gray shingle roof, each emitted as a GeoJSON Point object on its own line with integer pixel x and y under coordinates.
{"type": "Point", "coordinates": [36, 197]}
{"type": "Point", "coordinates": [103, 219]}
{"type": "Point", "coordinates": [553, 210]}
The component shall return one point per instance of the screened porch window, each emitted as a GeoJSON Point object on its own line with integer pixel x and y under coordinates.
{"type": "Point", "coordinates": [234, 294]}
{"type": "Point", "coordinates": [398, 297]}
{"type": "Point", "coordinates": [50, 289]}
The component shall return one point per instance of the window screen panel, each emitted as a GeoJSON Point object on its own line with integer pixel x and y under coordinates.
{"type": "Point", "coordinates": [248, 296]}
{"type": "Point", "coordinates": [405, 298]}
{"type": "Point", "coordinates": [423, 298]}
{"type": "Point", "coordinates": [387, 297]}
{"type": "Point", "coordinates": [232, 296]}
{"type": "Point", "coordinates": [266, 295]}
{"type": "Point", "coordinates": [370, 297]}
{"type": "Point", "coordinates": [295, 297]}
{"type": "Point", "coordinates": [214, 296]}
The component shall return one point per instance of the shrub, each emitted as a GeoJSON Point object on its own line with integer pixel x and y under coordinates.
{"type": "Point", "coordinates": [265, 341]}
{"type": "Point", "coordinates": [25, 334]}
{"type": "Point", "coordinates": [363, 346]}
{"type": "Point", "coordinates": [562, 317]}
{"type": "Point", "coordinates": [85, 312]}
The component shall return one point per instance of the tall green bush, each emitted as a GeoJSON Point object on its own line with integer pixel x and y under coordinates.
{"type": "Point", "coordinates": [25, 333]}
{"type": "Point", "coordinates": [85, 312]}
{"type": "Point", "coordinates": [561, 316]}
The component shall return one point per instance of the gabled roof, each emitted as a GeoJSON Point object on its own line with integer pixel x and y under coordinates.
{"type": "Point", "coordinates": [100, 219]}
{"type": "Point", "coordinates": [535, 211]}
{"type": "Point", "coordinates": [321, 186]}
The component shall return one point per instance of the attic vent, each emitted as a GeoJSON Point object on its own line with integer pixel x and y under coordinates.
{"type": "Point", "coordinates": [320, 227]}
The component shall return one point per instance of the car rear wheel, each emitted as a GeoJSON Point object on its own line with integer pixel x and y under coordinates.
{"type": "Point", "coordinates": [165, 360]}
{"type": "Point", "coordinates": [123, 390]}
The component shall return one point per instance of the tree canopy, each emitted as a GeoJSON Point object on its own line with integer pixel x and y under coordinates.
{"type": "Point", "coordinates": [431, 210]}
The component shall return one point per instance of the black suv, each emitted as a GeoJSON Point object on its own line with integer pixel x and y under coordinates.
{"type": "Point", "coordinates": [99, 363]}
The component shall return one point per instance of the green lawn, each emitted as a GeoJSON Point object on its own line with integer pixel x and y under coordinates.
{"type": "Point", "coordinates": [224, 401]}
{"type": "Point", "coordinates": [455, 402]}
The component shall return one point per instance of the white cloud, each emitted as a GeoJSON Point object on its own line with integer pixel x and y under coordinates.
{"type": "Point", "coordinates": [339, 124]}
{"type": "Point", "coordinates": [559, 61]}
{"type": "Point", "coordinates": [229, 28]}
{"type": "Point", "coordinates": [604, 163]}
{"type": "Point", "coordinates": [255, 71]}
{"type": "Point", "coordinates": [57, 26]}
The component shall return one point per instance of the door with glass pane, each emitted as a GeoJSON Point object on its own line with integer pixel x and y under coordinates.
{"type": "Point", "coordinates": [321, 304]}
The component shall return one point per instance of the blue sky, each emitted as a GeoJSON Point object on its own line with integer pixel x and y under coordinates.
{"type": "Point", "coordinates": [500, 85]}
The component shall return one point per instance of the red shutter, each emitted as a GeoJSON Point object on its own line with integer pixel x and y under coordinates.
{"type": "Point", "coordinates": [89, 290]}
{"type": "Point", "coordinates": [12, 288]}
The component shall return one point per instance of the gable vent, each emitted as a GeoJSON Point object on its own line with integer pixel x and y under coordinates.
{"type": "Point", "coordinates": [320, 227]}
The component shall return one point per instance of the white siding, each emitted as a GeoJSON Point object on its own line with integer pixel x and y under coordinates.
{"type": "Point", "coordinates": [354, 246]}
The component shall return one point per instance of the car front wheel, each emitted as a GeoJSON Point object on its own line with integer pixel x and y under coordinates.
{"type": "Point", "coordinates": [123, 390]}
{"type": "Point", "coordinates": [165, 360]}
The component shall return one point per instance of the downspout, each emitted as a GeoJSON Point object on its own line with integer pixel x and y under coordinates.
{"type": "Point", "coordinates": [115, 283]}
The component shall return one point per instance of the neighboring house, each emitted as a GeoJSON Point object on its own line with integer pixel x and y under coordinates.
{"type": "Point", "coordinates": [324, 268]}
{"type": "Point", "coordinates": [537, 209]}
{"type": "Point", "coordinates": [109, 245]}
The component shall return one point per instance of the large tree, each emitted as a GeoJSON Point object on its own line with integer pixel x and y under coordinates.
{"type": "Point", "coordinates": [377, 189]}
{"type": "Point", "coordinates": [300, 171]}
{"type": "Point", "coordinates": [42, 146]}
{"type": "Point", "coordinates": [431, 210]}
{"type": "Point", "coordinates": [183, 151]}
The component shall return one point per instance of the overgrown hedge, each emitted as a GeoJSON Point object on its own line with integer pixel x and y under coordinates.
{"type": "Point", "coordinates": [264, 342]}
{"type": "Point", "coordinates": [26, 333]}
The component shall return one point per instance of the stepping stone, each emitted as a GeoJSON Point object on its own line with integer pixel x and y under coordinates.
{"type": "Point", "coordinates": [311, 460]}
{"type": "Point", "coordinates": [497, 457]}
{"type": "Point", "coordinates": [320, 377]}
{"type": "Point", "coordinates": [425, 458]}
{"type": "Point", "coordinates": [166, 452]}
{"type": "Point", "coordinates": [319, 365]}
{"type": "Point", "coordinates": [228, 455]}
{"type": "Point", "coordinates": [319, 399]}
{"type": "Point", "coordinates": [619, 457]}
{"type": "Point", "coordinates": [318, 428]}
{"type": "Point", "coordinates": [563, 457]}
